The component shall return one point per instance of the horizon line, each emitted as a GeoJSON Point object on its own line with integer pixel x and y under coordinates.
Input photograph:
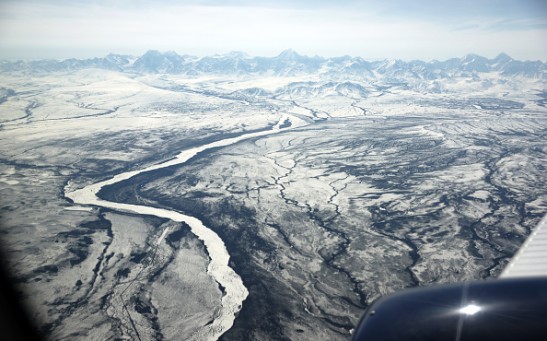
{"type": "Point", "coordinates": [249, 56]}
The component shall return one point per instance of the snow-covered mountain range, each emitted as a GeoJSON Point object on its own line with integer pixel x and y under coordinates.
{"type": "Point", "coordinates": [350, 179]}
{"type": "Point", "coordinates": [289, 63]}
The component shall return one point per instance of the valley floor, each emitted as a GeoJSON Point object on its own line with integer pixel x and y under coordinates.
{"type": "Point", "coordinates": [362, 193]}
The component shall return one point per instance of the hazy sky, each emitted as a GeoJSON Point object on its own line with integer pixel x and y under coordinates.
{"type": "Point", "coordinates": [410, 29]}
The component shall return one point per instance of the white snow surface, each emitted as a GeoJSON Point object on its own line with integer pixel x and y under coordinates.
{"type": "Point", "coordinates": [218, 269]}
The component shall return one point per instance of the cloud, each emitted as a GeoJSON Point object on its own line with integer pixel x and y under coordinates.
{"type": "Point", "coordinates": [519, 25]}
{"type": "Point", "coordinates": [399, 29]}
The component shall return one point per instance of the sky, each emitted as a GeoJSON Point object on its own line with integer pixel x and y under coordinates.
{"type": "Point", "coordinates": [399, 29]}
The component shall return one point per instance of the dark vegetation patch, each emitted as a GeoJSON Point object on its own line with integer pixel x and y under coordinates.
{"type": "Point", "coordinates": [123, 273]}
{"type": "Point", "coordinates": [173, 239]}
{"type": "Point", "coordinates": [137, 257]}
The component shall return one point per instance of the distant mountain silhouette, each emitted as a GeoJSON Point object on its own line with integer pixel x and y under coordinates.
{"type": "Point", "coordinates": [289, 63]}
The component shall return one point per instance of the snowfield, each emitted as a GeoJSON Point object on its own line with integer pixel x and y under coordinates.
{"type": "Point", "coordinates": [273, 201]}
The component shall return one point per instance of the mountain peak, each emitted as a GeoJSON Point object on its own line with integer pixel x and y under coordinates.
{"type": "Point", "coordinates": [151, 53]}
{"type": "Point", "coordinates": [471, 57]}
{"type": "Point", "coordinates": [503, 58]}
{"type": "Point", "coordinates": [171, 54]}
{"type": "Point", "coordinates": [237, 54]}
{"type": "Point", "coordinates": [289, 54]}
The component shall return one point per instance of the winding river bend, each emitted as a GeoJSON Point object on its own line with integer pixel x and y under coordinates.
{"type": "Point", "coordinates": [234, 290]}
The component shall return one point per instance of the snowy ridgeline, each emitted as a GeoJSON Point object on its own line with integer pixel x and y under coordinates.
{"type": "Point", "coordinates": [288, 63]}
{"type": "Point", "coordinates": [407, 174]}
